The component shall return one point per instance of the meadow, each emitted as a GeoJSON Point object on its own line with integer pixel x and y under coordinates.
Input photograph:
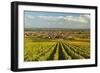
{"type": "Point", "coordinates": [46, 45]}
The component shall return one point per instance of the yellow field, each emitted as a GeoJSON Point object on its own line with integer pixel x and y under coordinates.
{"type": "Point", "coordinates": [37, 47]}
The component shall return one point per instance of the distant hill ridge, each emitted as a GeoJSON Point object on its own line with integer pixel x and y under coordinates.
{"type": "Point", "coordinates": [54, 29]}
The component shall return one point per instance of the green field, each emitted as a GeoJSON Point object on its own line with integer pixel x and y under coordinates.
{"type": "Point", "coordinates": [56, 45]}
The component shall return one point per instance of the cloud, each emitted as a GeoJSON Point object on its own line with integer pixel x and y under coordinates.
{"type": "Point", "coordinates": [51, 18]}
{"type": "Point", "coordinates": [83, 18]}
{"type": "Point", "coordinates": [85, 15]}
{"type": "Point", "coordinates": [48, 18]}
{"type": "Point", "coordinates": [77, 19]}
{"type": "Point", "coordinates": [29, 17]}
{"type": "Point", "coordinates": [82, 21]}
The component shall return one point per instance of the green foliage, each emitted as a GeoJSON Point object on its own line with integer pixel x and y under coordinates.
{"type": "Point", "coordinates": [73, 54]}
{"type": "Point", "coordinates": [68, 57]}
{"type": "Point", "coordinates": [38, 47]}
{"type": "Point", "coordinates": [56, 55]}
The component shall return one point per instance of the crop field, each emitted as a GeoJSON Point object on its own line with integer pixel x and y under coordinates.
{"type": "Point", "coordinates": [56, 45]}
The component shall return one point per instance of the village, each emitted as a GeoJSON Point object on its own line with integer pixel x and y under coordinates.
{"type": "Point", "coordinates": [56, 35]}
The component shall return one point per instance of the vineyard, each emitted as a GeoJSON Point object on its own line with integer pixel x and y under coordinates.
{"type": "Point", "coordinates": [56, 50]}
{"type": "Point", "coordinates": [56, 45]}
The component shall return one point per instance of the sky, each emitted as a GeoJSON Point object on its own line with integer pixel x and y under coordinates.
{"type": "Point", "coordinates": [33, 19]}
